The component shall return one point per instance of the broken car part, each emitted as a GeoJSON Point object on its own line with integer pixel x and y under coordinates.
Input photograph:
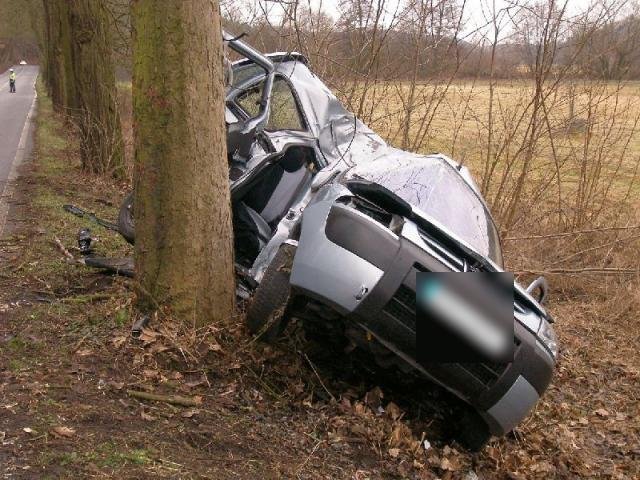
{"type": "Point", "coordinates": [79, 212]}
{"type": "Point", "coordinates": [118, 266]}
{"type": "Point", "coordinates": [84, 241]}
{"type": "Point", "coordinates": [139, 325]}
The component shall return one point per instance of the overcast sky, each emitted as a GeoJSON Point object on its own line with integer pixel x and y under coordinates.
{"type": "Point", "coordinates": [477, 12]}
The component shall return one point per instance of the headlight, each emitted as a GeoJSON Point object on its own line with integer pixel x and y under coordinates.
{"type": "Point", "coordinates": [547, 335]}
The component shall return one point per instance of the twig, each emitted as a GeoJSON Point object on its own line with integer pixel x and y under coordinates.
{"type": "Point", "coordinates": [66, 252]}
{"type": "Point", "coordinates": [319, 379]}
{"type": "Point", "coordinates": [270, 390]}
{"type": "Point", "coordinates": [569, 234]}
{"type": "Point", "coordinates": [95, 297]}
{"type": "Point", "coordinates": [81, 341]}
{"type": "Point", "coordinates": [591, 249]}
{"type": "Point", "coordinates": [586, 270]}
{"type": "Point", "coordinates": [301, 466]}
{"type": "Point", "coordinates": [172, 399]}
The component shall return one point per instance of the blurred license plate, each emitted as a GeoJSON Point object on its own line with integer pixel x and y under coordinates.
{"type": "Point", "coordinates": [464, 317]}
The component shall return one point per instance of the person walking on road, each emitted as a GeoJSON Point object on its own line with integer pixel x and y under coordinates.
{"type": "Point", "coordinates": [12, 81]}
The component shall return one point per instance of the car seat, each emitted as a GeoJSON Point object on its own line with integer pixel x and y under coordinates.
{"type": "Point", "coordinates": [262, 207]}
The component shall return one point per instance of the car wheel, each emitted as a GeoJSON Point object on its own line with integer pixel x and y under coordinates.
{"type": "Point", "coordinates": [266, 315]}
{"type": "Point", "coordinates": [126, 225]}
{"type": "Point", "coordinates": [472, 431]}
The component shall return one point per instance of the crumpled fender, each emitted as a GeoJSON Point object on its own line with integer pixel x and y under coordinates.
{"type": "Point", "coordinates": [324, 270]}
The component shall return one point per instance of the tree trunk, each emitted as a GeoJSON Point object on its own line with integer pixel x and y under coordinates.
{"type": "Point", "coordinates": [59, 64]}
{"type": "Point", "coordinates": [102, 149]}
{"type": "Point", "coordinates": [184, 249]}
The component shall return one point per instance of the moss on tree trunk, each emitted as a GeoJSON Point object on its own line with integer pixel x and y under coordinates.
{"type": "Point", "coordinates": [184, 249]}
{"type": "Point", "coordinates": [102, 148]}
{"type": "Point", "coordinates": [59, 64]}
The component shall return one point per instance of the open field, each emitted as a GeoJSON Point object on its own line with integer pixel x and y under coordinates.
{"type": "Point", "coordinates": [67, 360]}
{"type": "Point", "coordinates": [573, 146]}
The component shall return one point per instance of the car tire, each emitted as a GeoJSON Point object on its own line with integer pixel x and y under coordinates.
{"type": "Point", "coordinates": [126, 225]}
{"type": "Point", "coordinates": [267, 312]}
{"type": "Point", "coordinates": [472, 431]}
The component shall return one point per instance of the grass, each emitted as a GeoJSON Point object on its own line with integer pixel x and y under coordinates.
{"type": "Point", "coordinates": [105, 455]}
{"type": "Point", "coordinates": [54, 162]}
{"type": "Point", "coordinates": [579, 161]}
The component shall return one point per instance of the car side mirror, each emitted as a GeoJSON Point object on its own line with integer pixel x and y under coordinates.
{"type": "Point", "coordinates": [542, 286]}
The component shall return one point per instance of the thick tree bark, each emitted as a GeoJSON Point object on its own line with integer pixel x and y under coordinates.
{"type": "Point", "coordinates": [102, 149]}
{"type": "Point", "coordinates": [59, 64]}
{"type": "Point", "coordinates": [184, 249]}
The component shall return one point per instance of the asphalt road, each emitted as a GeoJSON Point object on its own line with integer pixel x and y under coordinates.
{"type": "Point", "coordinates": [14, 110]}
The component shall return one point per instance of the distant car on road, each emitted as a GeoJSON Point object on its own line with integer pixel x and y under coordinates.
{"type": "Point", "coordinates": [23, 62]}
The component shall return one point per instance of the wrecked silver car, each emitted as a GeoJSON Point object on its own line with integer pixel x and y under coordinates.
{"type": "Point", "coordinates": [332, 225]}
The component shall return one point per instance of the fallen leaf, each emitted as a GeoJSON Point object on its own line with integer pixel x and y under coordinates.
{"type": "Point", "coordinates": [373, 398]}
{"type": "Point", "coordinates": [63, 432]}
{"type": "Point", "coordinates": [30, 431]}
{"type": "Point", "coordinates": [148, 336]}
{"type": "Point", "coordinates": [543, 467]}
{"type": "Point", "coordinates": [149, 373]}
{"type": "Point", "coordinates": [158, 348]}
{"type": "Point", "coordinates": [119, 340]}
{"type": "Point", "coordinates": [393, 411]}
{"type": "Point", "coordinates": [146, 416]}
{"type": "Point", "coordinates": [601, 412]}
{"type": "Point", "coordinates": [445, 464]}
{"type": "Point", "coordinates": [359, 429]}
{"type": "Point", "coordinates": [195, 383]}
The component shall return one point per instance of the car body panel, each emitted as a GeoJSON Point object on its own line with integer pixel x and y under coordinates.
{"type": "Point", "coordinates": [516, 404]}
{"type": "Point", "coordinates": [313, 273]}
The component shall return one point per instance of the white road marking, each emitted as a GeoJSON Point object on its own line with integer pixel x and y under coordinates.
{"type": "Point", "coordinates": [7, 192]}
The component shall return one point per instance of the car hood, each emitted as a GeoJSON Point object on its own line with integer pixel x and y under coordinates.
{"type": "Point", "coordinates": [438, 191]}
{"type": "Point", "coordinates": [407, 175]}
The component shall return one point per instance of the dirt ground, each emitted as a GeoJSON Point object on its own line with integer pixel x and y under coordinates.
{"type": "Point", "coordinates": [68, 365]}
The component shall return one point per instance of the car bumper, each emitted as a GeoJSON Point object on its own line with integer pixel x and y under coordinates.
{"type": "Point", "coordinates": [365, 272]}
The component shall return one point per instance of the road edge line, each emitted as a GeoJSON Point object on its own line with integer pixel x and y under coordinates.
{"type": "Point", "coordinates": [7, 192]}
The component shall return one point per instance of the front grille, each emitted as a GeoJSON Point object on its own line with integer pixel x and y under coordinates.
{"type": "Point", "coordinates": [447, 253]}
{"type": "Point", "coordinates": [486, 373]}
{"type": "Point", "coordinates": [402, 308]}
